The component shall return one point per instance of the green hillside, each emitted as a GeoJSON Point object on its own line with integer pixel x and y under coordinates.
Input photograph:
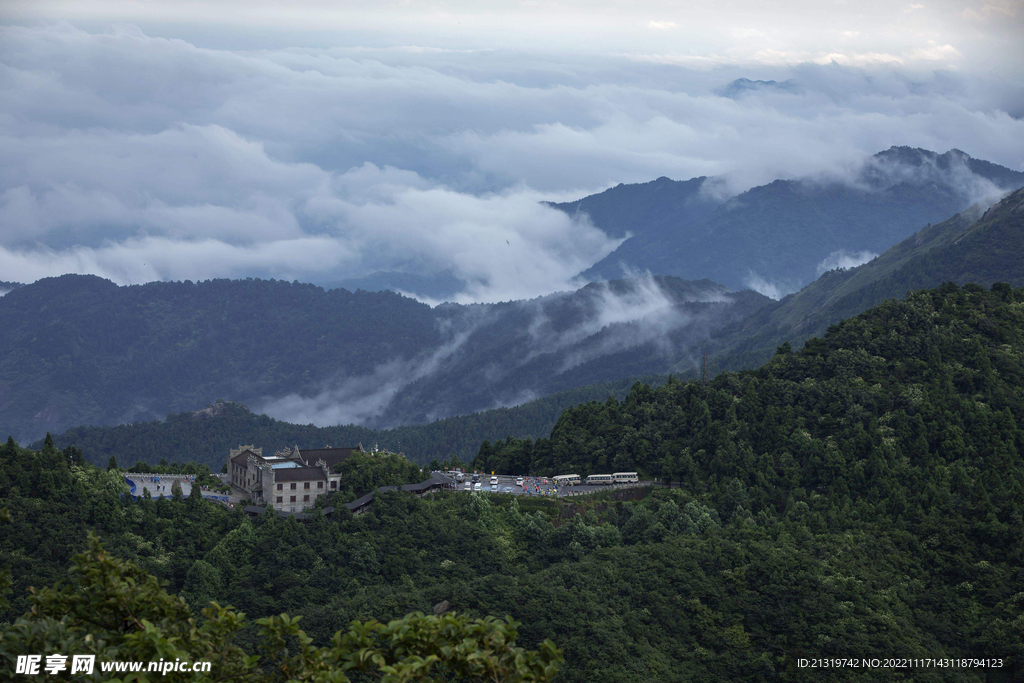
{"type": "Point", "coordinates": [965, 248]}
{"type": "Point", "coordinates": [860, 498]}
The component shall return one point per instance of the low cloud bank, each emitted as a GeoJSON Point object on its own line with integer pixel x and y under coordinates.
{"type": "Point", "coordinates": [140, 158]}
{"type": "Point", "coordinates": [363, 399]}
{"type": "Point", "coordinates": [491, 358]}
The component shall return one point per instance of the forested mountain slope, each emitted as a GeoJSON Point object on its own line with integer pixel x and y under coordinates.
{"type": "Point", "coordinates": [80, 350]}
{"type": "Point", "coordinates": [986, 250]}
{"type": "Point", "coordinates": [203, 436]}
{"type": "Point", "coordinates": [965, 248]}
{"type": "Point", "coordinates": [784, 234]}
{"type": "Point", "coordinates": [861, 497]}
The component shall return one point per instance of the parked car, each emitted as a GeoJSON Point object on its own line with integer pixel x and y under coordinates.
{"type": "Point", "coordinates": [469, 486]}
{"type": "Point", "coordinates": [494, 488]}
{"type": "Point", "coordinates": [494, 480]}
{"type": "Point", "coordinates": [519, 481]}
{"type": "Point", "coordinates": [477, 486]}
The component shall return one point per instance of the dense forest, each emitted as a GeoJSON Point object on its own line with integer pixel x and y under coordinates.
{"type": "Point", "coordinates": [860, 497]}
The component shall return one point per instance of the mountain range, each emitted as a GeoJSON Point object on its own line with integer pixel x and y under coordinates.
{"type": "Point", "coordinates": [962, 249]}
{"type": "Point", "coordinates": [80, 350]}
{"type": "Point", "coordinates": [972, 246]}
{"type": "Point", "coordinates": [778, 237]}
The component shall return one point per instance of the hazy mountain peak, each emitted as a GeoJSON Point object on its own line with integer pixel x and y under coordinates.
{"type": "Point", "coordinates": [742, 86]}
{"type": "Point", "coordinates": [779, 236]}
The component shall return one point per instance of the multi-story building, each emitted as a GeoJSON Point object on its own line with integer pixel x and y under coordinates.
{"type": "Point", "coordinates": [290, 480]}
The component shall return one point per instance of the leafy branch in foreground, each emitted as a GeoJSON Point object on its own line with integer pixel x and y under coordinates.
{"type": "Point", "coordinates": [116, 611]}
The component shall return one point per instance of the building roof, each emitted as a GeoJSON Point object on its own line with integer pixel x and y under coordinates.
{"type": "Point", "coordinates": [332, 456]}
{"type": "Point", "coordinates": [243, 457]}
{"type": "Point", "coordinates": [360, 502]}
{"type": "Point", "coordinates": [299, 474]}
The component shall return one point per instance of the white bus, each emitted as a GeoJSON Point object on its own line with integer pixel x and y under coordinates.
{"type": "Point", "coordinates": [567, 480]}
{"type": "Point", "coordinates": [625, 478]}
{"type": "Point", "coordinates": [604, 479]}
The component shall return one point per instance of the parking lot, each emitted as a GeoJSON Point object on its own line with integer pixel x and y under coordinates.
{"type": "Point", "coordinates": [532, 486]}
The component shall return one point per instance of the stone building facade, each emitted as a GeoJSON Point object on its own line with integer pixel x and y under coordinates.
{"type": "Point", "coordinates": [290, 480]}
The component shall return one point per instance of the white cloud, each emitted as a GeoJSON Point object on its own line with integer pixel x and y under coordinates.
{"type": "Point", "coordinates": [843, 260]}
{"type": "Point", "coordinates": [129, 155]}
{"type": "Point", "coordinates": [361, 399]}
{"type": "Point", "coordinates": [772, 290]}
{"type": "Point", "coordinates": [661, 25]}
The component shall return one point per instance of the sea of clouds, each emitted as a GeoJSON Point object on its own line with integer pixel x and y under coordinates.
{"type": "Point", "coordinates": [140, 158]}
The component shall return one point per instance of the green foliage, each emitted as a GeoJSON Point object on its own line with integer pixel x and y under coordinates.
{"type": "Point", "coordinates": [114, 610]}
{"type": "Point", "coordinates": [860, 497]}
{"type": "Point", "coordinates": [365, 472]}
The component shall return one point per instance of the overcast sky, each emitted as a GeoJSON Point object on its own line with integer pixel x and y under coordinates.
{"type": "Point", "coordinates": [321, 140]}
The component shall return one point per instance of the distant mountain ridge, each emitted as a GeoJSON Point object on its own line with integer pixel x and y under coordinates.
{"type": "Point", "coordinates": [983, 249]}
{"type": "Point", "coordinates": [202, 434]}
{"type": "Point", "coordinates": [966, 248]}
{"type": "Point", "coordinates": [781, 236]}
{"type": "Point", "coordinates": [80, 350]}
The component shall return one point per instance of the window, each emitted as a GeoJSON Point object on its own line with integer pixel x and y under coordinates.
{"type": "Point", "coordinates": [334, 485]}
{"type": "Point", "coordinates": [280, 499]}
{"type": "Point", "coordinates": [292, 500]}
{"type": "Point", "coordinates": [293, 486]}
{"type": "Point", "coordinates": [280, 486]}
{"type": "Point", "coordinates": [306, 485]}
{"type": "Point", "coordinates": [319, 484]}
{"type": "Point", "coordinates": [305, 498]}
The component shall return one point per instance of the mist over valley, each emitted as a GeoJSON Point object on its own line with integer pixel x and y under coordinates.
{"type": "Point", "coordinates": [548, 342]}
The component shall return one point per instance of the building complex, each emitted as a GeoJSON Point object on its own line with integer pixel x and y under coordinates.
{"type": "Point", "coordinates": [290, 480]}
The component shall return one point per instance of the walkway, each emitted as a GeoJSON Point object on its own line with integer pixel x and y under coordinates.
{"type": "Point", "coordinates": [160, 485]}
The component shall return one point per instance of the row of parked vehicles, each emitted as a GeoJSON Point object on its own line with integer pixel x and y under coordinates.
{"type": "Point", "coordinates": [599, 479]}
{"type": "Point", "coordinates": [477, 485]}
{"type": "Point", "coordinates": [561, 480]}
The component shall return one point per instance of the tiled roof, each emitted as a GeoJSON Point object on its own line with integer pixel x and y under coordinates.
{"type": "Point", "coordinates": [360, 502]}
{"type": "Point", "coordinates": [332, 456]}
{"type": "Point", "coordinates": [299, 474]}
{"type": "Point", "coordinates": [242, 458]}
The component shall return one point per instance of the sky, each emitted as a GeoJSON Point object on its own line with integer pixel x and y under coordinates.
{"type": "Point", "coordinates": [319, 141]}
